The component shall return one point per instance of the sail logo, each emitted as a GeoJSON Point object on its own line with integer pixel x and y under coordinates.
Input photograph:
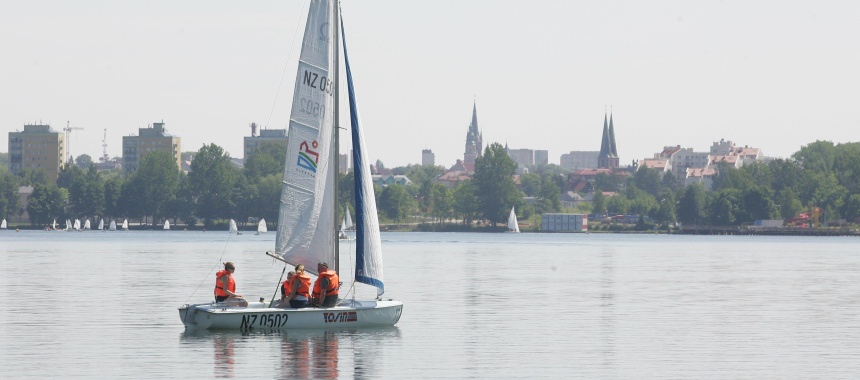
{"type": "Point", "coordinates": [308, 159]}
{"type": "Point", "coordinates": [344, 316]}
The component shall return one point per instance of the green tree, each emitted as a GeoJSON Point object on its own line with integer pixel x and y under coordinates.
{"type": "Point", "coordinates": [86, 193]}
{"type": "Point", "coordinates": [155, 182]}
{"type": "Point", "coordinates": [666, 212]}
{"type": "Point", "coordinates": [530, 183]}
{"type": "Point", "coordinates": [494, 184]}
{"type": "Point", "coordinates": [84, 161]}
{"type": "Point", "coordinates": [396, 202]}
{"type": "Point", "coordinates": [757, 203]}
{"type": "Point", "coordinates": [691, 205]}
{"type": "Point", "coordinates": [442, 202]}
{"type": "Point", "coordinates": [550, 195]}
{"type": "Point", "coordinates": [212, 179]}
{"type": "Point", "coordinates": [789, 204]}
{"type": "Point", "coordinates": [112, 194]}
{"type": "Point", "coordinates": [266, 159]}
{"type": "Point", "coordinates": [9, 201]}
{"type": "Point", "coordinates": [598, 203]}
{"type": "Point", "coordinates": [31, 177]}
{"type": "Point", "coordinates": [648, 180]}
{"type": "Point", "coordinates": [851, 210]}
{"type": "Point", "coordinates": [269, 190]}
{"type": "Point", "coordinates": [817, 157]}
{"type": "Point", "coordinates": [466, 202]}
{"type": "Point", "coordinates": [725, 207]}
{"type": "Point", "coordinates": [182, 205]}
{"type": "Point", "coordinates": [607, 182]}
{"type": "Point", "coordinates": [46, 203]}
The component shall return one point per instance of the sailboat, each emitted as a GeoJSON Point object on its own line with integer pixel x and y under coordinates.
{"type": "Point", "coordinates": [68, 225]}
{"type": "Point", "coordinates": [112, 226]}
{"type": "Point", "coordinates": [345, 225]}
{"type": "Point", "coordinates": [54, 225]}
{"type": "Point", "coordinates": [77, 225]}
{"type": "Point", "coordinates": [513, 226]}
{"type": "Point", "coordinates": [125, 224]}
{"type": "Point", "coordinates": [307, 227]}
{"type": "Point", "coordinates": [166, 224]}
{"type": "Point", "coordinates": [101, 224]}
{"type": "Point", "coordinates": [233, 228]}
{"type": "Point", "coordinates": [261, 227]}
{"type": "Point", "coordinates": [3, 224]}
{"type": "Point", "coordinates": [86, 224]}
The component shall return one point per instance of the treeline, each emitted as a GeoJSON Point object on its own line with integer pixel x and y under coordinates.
{"type": "Point", "coordinates": [820, 175]}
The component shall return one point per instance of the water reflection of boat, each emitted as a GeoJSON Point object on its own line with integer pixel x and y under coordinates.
{"type": "Point", "coordinates": [304, 353]}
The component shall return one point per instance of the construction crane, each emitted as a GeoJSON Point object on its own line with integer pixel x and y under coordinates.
{"type": "Point", "coordinates": [105, 157]}
{"type": "Point", "coordinates": [68, 129]}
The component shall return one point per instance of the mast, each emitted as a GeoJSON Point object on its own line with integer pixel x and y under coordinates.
{"type": "Point", "coordinates": [336, 129]}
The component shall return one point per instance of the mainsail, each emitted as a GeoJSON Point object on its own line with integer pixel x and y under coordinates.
{"type": "Point", "coordinates": [233, 228]}
{"type": "Point", "coordinates": [306, 221]}
{"type": "Point", "coordinates": [368, 251]}
{"type": "Point", "coordinates": [261, 226]}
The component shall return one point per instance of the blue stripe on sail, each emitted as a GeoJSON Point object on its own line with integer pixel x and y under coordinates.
{"type": "Point", "coordinates": [370, 281]}
{"type": "Point", "coordinates": [360, 171]}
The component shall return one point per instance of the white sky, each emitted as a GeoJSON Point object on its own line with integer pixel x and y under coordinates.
{"type": "Point", "coordinates": [770, 74]}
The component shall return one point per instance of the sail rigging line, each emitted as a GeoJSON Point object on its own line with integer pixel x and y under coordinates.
{"type": "Point", "coordinates": [219, 263]}
{"type": "Point", "coordinates": [272, 301]}
{"type": "Point", "coordinates": [286, 66]}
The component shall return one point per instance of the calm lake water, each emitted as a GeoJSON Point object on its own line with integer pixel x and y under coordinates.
{"type": "Point", "coordinates": [103, 304]}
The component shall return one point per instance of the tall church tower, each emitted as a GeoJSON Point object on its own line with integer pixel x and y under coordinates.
{"type": "Point", "coordinates": [474, 139]}
{"type": "Point", "coordinates": [608, 157]}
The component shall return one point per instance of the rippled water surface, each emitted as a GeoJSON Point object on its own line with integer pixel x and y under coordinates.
{"type": "Point", "coordinates": [103, 304]}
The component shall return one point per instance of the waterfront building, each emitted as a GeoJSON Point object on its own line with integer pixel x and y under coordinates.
{"type": "Point", "coordinates": [37, 147]}
{"type": "Point", "coordinates": [152, 139]}
{"type": "Point", "coordinates": [576, 160]}
{"type": "Point", "coordinates": [266, 136]}
{"type": "Point", "coordinates": [428, 158]}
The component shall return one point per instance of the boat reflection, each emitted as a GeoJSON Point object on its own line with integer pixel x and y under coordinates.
{"type": "Point", "coordinates": [304, 354]}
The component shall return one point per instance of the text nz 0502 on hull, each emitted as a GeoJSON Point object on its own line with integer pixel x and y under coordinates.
{"type": "Point", "coordinates": [257, 315]}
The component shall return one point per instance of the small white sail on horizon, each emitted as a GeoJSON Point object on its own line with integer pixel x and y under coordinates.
{"type": "Point", "coordinates": [234, 229]}
{"type": "Point", "coordinates": [69, 225]}
{"type": "Point", "coordinates": [112, 226]}
{"type": "Point", "coordinates": [87, 224]}
{"type": "Point", "coordinates": [3, 224]}
{"type": "Point", "coordinates": [261, 226]}
{"type": "Point", "coordinates": [54, 225]}
{"type": "Point", "coordinates": [101, 224]}
{"type": "Point", "coordinates": [125, 224]}
{"type": "Point", "coordinates": [166, 224]}
{"type": "Point", "coordinates": [77, 225]}
{"type": "Point", "coordinates": [513, 226]}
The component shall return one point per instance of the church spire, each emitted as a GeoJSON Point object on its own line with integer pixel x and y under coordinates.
{"type": "Point", "coordinates": [612, 136]}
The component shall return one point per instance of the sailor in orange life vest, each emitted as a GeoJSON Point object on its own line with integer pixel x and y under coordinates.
{"type": "Point", "coordinates": [285, 286]}
{"type": "Point", "coordinates": [225, 286]}
{"type": "Point", "coordinates": [299, 290]}
{"type": "Point", "coordinates": [328, 281]}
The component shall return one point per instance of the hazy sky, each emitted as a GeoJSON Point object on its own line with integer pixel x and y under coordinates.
{"type": "Point", "coordinates": [770, 74]}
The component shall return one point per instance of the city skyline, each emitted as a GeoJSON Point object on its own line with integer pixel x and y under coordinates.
{"type": "Point", "coordinates": [770, 75]}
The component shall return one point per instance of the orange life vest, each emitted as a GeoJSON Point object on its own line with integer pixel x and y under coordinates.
{"type": "Point", "coordinates": [332, 284]}
{"type": "Point", "coordinates": [286, 287]}
{"type": "Point", "coordinates": [304, 285]}
{"type": "Point", "coordinates": [231, 283]}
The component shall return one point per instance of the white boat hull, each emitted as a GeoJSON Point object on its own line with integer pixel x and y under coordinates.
{"type": "Point", "coordinates": [218, 316]}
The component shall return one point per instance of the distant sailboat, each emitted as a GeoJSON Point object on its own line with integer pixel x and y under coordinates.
{"type": "Point", "coordinates": [112, 226]}
{"type": "Point", "coordinates": [513, 226]}
{"type": "Point", "coordinates": [166, 224]}
{"type": "Point", "coordinates": [261, 227]}
{"type": "Point", "coordinates": [87, 224]}
{"type": "Point", "coordinates": [77, 225]}
{"type": "Point", "coordinates": [101, 224]}
{"type": "Point", "coordinates": [68, 225]}
{"type": "Point", "coordinates": [233, 228]}
{"type": "Point", "coordinates": [3, 224]}
{"type": "Point", "coordinates": [125, 224]}
{"type": "Point", "coordinates": [54, 225]}
{"type": "Point", "coordinates": [345, 225]}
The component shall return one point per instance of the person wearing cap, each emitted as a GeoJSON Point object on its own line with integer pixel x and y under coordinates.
{"type": "Point", "coordinates": [225, 286]}
{"type": "Point", "coordinates": [326, 287]}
